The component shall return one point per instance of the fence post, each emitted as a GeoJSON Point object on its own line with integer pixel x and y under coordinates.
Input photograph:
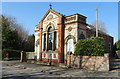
{"type": "Point", "coordinates": [69, 59]}
{"type": "Point", "coordinates": [78, 61]}
{"type": "Point", "coordinates": [23, 56]}
{"type": "Point", "coordinates": [106, 57]}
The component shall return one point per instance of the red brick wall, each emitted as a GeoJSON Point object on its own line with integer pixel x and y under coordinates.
{"type": "Point", "coordinates": [52, 60]}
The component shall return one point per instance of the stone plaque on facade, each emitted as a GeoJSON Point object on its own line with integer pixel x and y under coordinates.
{"type": "Point", "coordinates": [70, 29]}
{"type": "Point", "coordinates": [50, 17]}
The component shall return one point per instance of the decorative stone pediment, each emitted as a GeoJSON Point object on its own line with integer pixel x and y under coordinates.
{"type": "Point", "coordinates": [50, 14]}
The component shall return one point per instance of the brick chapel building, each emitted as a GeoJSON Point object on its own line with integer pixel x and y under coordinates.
{"type": "Point", "coordinates": [57, 34]}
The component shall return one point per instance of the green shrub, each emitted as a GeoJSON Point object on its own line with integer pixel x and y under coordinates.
{"type": "Point", "coordinates": [13, 54]}
{"type": "Point", "coordinates": [90, 47]}
{"type": "Point", "coordinates": [118, 45]}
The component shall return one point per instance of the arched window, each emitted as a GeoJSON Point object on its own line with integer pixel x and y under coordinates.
{"type": "Point", "coordinates": [37, 42]}
{"type": "Point", "coordinates": [55, 40]}
{"type": "Point", "coordinates": [82, 36]}
{"type": "Point", "coordinates": [50, 38]}
{"type": "Point", "coordinates": [44, 42]}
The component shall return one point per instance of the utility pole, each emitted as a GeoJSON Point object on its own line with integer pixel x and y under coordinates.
{"type": "Point", "coordinates": [96, 22]}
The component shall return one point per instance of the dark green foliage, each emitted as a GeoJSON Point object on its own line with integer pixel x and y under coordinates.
{"type": "Point", "coordinates": [10, 39]}
{"type": "Point", "coordinates": [90, 47]}
{"type": "Point", "coordinates": [118, 45]}
{"type": "Point", "coordinates": [9, 35]}
{"type": "Point", "coordinates": [13, 54]}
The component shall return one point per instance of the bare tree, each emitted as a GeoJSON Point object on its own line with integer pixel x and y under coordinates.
{"type": "Point", "coordinates": [21, 33]}
{"type": "Point", "coordinates": [15, 26]}
{"type": "Point", "coordinates": [101, 26]}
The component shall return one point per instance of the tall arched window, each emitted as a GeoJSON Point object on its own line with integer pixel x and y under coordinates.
{"type": "Point", "coordinates": [55, 40]}
{"type": "Point", "coordinates": [44, 42]}
{"type": "Point", "coordinates": [50, 38]}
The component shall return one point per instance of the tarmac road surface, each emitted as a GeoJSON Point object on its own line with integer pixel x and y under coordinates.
{"type": "Point", "coordinates": [17, 70]}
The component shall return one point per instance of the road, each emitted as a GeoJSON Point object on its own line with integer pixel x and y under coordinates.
{"type": "Point", "coordinates": [17, 70]}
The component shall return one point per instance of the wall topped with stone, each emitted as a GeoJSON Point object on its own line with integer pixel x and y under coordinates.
{"type": "Point", "coordinates": [94, 63]}
{"type": "Point", "coordinates": [30, 55]}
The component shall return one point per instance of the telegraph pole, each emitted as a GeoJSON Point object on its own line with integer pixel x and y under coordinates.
{"type": "Point", "coordinates": [96, 22]}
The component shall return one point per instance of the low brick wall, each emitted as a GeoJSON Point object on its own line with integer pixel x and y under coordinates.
{"type": "Point", "coordinates": [96, 63]}
{"type": "Point", "coordinates": [30, 55]}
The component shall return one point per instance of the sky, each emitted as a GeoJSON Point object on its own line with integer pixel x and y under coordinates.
{"type": "Point", "coordinates": [29, 14]}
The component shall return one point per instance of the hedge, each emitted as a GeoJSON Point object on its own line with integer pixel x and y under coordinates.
{"type": "Point", "coordinates": [13, 54]}
{"type": "Point", "coordinates": [90, 47]}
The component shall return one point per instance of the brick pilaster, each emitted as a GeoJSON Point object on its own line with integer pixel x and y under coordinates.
{"type": "Point", "coordinates": [61, 40]}
{"type": "Point", "coordinates": [40, 42]}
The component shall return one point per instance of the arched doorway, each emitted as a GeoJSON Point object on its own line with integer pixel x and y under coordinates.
{"type": "Point", "coordinates": [70, 45]}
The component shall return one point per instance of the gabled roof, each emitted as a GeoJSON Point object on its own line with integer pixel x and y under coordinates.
{"type": "Point", "coordinates": [92, 28]}
{"type": "Point", "coordinates": [52, 11]}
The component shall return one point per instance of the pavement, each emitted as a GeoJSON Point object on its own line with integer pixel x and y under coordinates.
{"type": "Point", "coordinates": [17, 70]}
